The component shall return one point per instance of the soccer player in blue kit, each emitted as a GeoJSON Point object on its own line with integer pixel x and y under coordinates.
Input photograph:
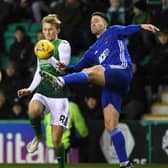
{"type": "Point", "coordinates": [112, 69]}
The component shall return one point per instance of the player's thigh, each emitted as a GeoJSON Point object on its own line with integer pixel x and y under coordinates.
{"type": "Point", "coordinates": [96, 74]}
{"type": "Point", "coordinates": [117, 79]}
{"type": "Point", "coordinates": [57, 132]}
{"type": "Point", "coordinates": [110, 96]}
{"type": "Point", "coordinates": [111, 117]}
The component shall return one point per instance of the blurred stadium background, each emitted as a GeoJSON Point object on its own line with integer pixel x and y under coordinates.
{"type": "Point", "coordinates": [81, 166]}
{"type": "Point", "coordinates": [144, 118]}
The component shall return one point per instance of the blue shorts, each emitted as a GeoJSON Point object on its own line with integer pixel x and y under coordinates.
{"type": "Point", "coordinates": [117, 83]}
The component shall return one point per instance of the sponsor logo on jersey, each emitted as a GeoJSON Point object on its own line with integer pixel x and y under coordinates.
{"type": "Point", "coordinates": [106, 40]}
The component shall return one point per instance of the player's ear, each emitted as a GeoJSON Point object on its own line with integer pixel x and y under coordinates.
{"type": "Point", "coordinates": [106, 24]}
{"type": "Point", "coordinates": [58, 30]}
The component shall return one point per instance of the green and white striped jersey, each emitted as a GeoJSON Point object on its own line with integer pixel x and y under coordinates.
{"type": "Point", "coordinates": [62, 53]}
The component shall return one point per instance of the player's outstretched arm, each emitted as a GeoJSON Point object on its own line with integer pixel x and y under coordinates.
{"type": "Point", "coordinates": [23, 92]}
{"type": "Point", "coordinates": [150, 27]}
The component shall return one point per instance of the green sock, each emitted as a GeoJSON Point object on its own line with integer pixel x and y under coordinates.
{"type": "Point", "coordinates": [36, 124]}
{"type": "Point", "coordinates": [60, 154]}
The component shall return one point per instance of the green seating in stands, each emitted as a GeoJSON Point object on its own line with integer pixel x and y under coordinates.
{"type": "Point", "coordinates": [12, 27]}
{"type": "Point", "coordinates": [30, 28]}
{"type": "Point", "coordinates": [3, 62]}
{"type": "Point", "coordinates": [153, 2]}
{"type": "Point", "coordinates": [33, 39]}
{"type": "Point", "coordinates": [35, 27]}
{"type": "Point", "coordinates": [8, 42]}
{"type": "Point", "coordinates": [8, 34]}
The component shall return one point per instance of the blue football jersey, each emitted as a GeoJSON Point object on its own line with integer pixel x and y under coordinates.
{"type": "Point", "coordinates": [109, 48]}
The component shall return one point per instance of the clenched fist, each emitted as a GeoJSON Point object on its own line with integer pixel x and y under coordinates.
{"type": "Point", "coordinates": [23, 92]}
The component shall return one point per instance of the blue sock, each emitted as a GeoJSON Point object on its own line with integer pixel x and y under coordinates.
{"type": "Point", "coordinates": [119, 144]}
{"type": "Point", "coordinates": [76, 78]}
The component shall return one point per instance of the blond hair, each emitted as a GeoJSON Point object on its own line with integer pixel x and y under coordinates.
{"type": "Point", "coordinates": [52, 19]}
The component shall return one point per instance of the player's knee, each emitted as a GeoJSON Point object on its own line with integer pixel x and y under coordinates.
{"type": "Point", "coordinates": [85, 70]}
{"type": "Point", "coordinates": [109, 125]}
{"type": "Point", "coordinates": [33, 110]}
{"type": "Point", "coordinates": [56, 141]}
{"type": "Point", "coordinates": [91, 73]}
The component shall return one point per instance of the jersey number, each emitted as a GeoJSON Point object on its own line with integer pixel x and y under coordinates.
{"type": "Point", "coordinates": [63, 119]}
{"type": "Point", "coordinates": [103, 55]}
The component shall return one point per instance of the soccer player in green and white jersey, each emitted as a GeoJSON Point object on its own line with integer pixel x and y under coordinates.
{"type": "Point", "coordinates": [46, 99]}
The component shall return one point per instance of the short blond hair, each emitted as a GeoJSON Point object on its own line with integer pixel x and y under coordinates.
{"type": "Point", "coordinates": [52, 19]}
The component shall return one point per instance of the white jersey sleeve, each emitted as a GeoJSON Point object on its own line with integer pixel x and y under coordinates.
{"type": "Point", "coordinates": [64, 50]}
{"type": "Point", "coordinates": [36, 79]}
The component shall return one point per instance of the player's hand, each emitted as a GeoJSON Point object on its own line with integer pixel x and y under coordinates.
{"type": "Point", "coordinates": [23, 92]}
{"type": "Point", "coordinates": [150, 27]}
{"type": "Point", "coordinates": [61, 67]}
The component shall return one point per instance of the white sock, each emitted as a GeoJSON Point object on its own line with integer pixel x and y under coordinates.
{"type": "Point", "coordinates": [124, 163]}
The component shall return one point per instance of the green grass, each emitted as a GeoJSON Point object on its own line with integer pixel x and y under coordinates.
{"type": "Point", "coordinates": [78, 166]}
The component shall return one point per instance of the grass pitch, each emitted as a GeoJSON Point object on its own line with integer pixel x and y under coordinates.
{"type": "Point", "coordinates": [78, 166]}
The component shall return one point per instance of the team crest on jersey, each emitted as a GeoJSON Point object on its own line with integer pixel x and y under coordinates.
{"type": "Point", "coordinates": [106, 40]}
{"type": "Point", "coordinates": [95, 52]}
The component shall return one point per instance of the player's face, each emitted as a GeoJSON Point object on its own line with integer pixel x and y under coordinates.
{"type": "Point", "coordinates": [50, 31]}
{"type": "Point", "coordinates": [98, 25]}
